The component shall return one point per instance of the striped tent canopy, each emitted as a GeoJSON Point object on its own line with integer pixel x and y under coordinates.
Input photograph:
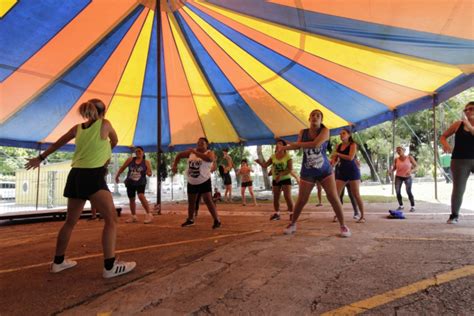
{"type": "Point", "coordinates": [234, 71]}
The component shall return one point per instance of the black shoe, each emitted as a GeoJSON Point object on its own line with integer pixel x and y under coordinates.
{"type": "Point", "coordinates": [217, 224]}
{"type": "Point", "coordinates": [188, 222]}
{"type": "Point", "coordinates": [275, 217]}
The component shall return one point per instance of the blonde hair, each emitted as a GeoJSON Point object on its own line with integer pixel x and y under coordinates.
{"type": "Point", "coordinates": [93, 109]}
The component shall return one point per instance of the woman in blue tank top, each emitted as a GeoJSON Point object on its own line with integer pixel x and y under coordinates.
{"type": "Point", "coordinates": [315, 168]}
{"type": "Point", "coordinates": [347, 170]}
{"type": "Point", "coordinates": [138, 169]}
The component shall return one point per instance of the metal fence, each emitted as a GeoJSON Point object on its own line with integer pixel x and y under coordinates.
{"type": "Point", "coordinates": [42, 189]}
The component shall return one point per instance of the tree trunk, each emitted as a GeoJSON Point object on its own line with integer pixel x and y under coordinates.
{"type": "Point", "coordinates": [366, 154]}
{"type": "Point", "coordinates": [266, 179]}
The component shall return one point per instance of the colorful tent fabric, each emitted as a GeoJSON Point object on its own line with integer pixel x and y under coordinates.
{"type": "Point", "coordinates": [234, 71]}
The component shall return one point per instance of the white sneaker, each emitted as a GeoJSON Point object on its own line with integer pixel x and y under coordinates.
{"type": "Point", "coordinates": [119, 268]}
{"type": "Point", "coordinates": [148, 218]}
{"type": "Point", "coordinates": [290, 229]}
{"type": "Point", "coordinates": [345, 231]}
{"type": "Point", "coordinates": [66, 264]}
{"type": "Point", "coordinates": [132, 219]}
{"type": "Point", "coordinates": [452, 220]}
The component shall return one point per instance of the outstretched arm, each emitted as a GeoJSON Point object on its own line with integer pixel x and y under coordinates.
{"type": "Point", "coordinates": [179, 156]}
{"type": "Point", "coordinates": [63, 140]}
{"type": "Point", "coordinates": [119, 172]}
{"type": "Point", "coordinates": [264, 164]}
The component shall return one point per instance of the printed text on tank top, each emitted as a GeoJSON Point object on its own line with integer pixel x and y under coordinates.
{"type": "Point", "coordinates": [199, 170]}
{"type": "Point", "coordinates": [137, 170]}
{"type": "Point", "coordinates": [314, 156]}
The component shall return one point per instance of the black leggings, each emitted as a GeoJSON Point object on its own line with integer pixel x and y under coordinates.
{"type": "Point", "coordinates": [398, 189]}
{"type": "Point", "coordinates": [461, 170]}
{"type": "Point", "coordinates": [351, 197]}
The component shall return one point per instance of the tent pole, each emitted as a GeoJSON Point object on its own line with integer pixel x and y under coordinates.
{"type": "Point", "coordinates": [435, 146]}
{"type": "Point", "coordinates": [393, 154]}
{"type": "Point", "coordinates": [158, 145]}
{"type": "Point", "coordinates": [38, 178]}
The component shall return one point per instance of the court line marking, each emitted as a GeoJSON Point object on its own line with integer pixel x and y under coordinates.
{"type": "Point", "coordinates": [174, 243]}
{"type": "Point", "coordinates": [424, 239]}
{"type": "Point", "coordinates": [387, 297]}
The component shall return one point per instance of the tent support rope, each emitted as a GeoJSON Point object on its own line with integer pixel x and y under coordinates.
{"type": "Point", "coordinates": [435, 146]}
{"type": "Point", "coordinates": [368, 157]}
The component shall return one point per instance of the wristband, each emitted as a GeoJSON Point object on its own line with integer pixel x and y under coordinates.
{"type": "Point", "coordinates": [40, 156]}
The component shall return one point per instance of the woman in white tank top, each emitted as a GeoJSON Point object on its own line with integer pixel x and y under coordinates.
{"type": "Point", "coordinates": [200, 161]}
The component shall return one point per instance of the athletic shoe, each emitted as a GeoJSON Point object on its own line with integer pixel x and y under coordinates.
{"type": "Point", "coordinates": [412, 209]}
{"type": "Point", "coordinates": [345, 231]}
{"type": "Point", "coordinates": [217, 224]}
{"type": "Point", "coordinates": [400, 208]}
{"type": "Point", "coordinates": [188, 222]}
{"type": "Point", "coordinates": [318, 205]}
{"type": "Point", "coordinates": [290, 229]}
{"type": "Point", "coordinates": [58, 267]}
{"type": "Point", "coordinates": [452, 220]}
{"type": "Point", "coordinates": [148, 219]}
{"type": "Point", "coordinates": [356, 216]}
{"type": "Point", "coordinates": [119, 268]}
{"type": "Point", "coordinates": [275, 217]}
{"type": "Point", "coordinates": [132, 219]}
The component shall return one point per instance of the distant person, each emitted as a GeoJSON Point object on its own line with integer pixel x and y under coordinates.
{"type": "Point", "coordinates": [462, 160]}
{"type": "Point", "coordinates": [246, 181]}
{"type": "Point", "coordinates": [216, 197]}
{"type": "Point", "coordinates": [200, 161]}
{"type": "Point", "coordinates": [86, 181]}
{"type": "Point", "coordinates": [224, 171]}
{"type": "Point", "coordinates": [157, 208]}
{"type": "Point", "coordinates": [138, 169]}
{"type": "Point", "coordinates": [404, 165]}
{"type": "Point", "coordinates": [319, 190]}
{"type": "Point", "coordinates": [347, 170]}
{"type": "Point", "coordinates": [445, 162]}
{"type": "Point", "coordinates": [93, 214]}
{"type": "Point", "coordinates": [282, 166]}
{"type": "Point", "coordinates": [315, 168]}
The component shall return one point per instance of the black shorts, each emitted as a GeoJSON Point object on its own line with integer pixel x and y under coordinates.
{"type": "Point", "coordinates": [132, 190]}
{"type": "Point", "coordinates": [246, 184]}
{"type": "Point", "coordinates": [227, 179]}
{"type": "Point", "coordinates": [83, 182]}
{"type": "Point", "coordinates": [281, 182]}
{"type": "Point", "coordinates": [200, 188]}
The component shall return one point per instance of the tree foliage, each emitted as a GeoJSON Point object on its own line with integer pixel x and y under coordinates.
{"type": "Point", "coordinates": [414, 131]}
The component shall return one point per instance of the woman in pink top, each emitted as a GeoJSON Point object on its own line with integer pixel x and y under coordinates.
{"type": "Point", "coordinates": [404, 166]}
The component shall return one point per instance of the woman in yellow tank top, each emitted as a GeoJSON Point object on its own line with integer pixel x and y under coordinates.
{"type": "Point", "coordinates": [94, 140]}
